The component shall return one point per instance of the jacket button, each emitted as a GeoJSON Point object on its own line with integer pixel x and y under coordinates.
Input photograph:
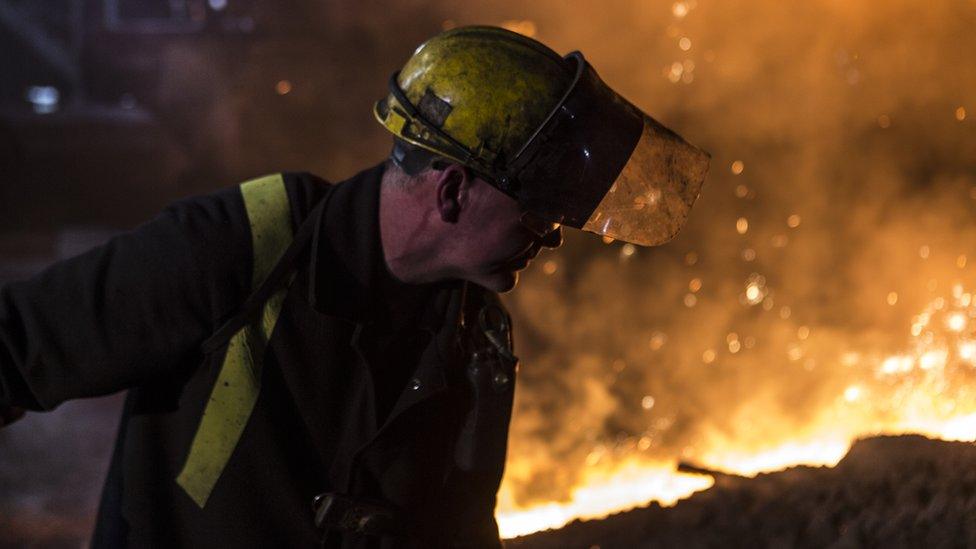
{"type": "Point", "coordinates": [414, 384]}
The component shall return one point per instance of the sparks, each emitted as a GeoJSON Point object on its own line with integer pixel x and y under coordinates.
{"type": "Point", "coordinates": [742, 225]}
{"type": "Point", "coordinates": [956, 322]}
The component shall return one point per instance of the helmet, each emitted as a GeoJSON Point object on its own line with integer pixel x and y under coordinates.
{"type": "Point", "coordinates": [543, 129]}
{"type": "Point", "coordinates": [486, 88]}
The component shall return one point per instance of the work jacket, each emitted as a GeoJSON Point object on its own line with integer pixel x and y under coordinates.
{"type": "Point", "coordinates": [251, 416]}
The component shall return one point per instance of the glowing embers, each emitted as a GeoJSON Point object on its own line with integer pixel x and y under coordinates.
{"type": "Point", "coordinates": [681, 71]}
{"type": "Point", "coordinates": [657, 341]}
{"type": "Point", "coordinates": [283, 87]}
{"type": "Point", "coordinates": [742, 225]}
{"type": "Point", "coordinates": [967, 351]}
{"type": "Point", "coordinates": [681, 9]}
{"type": "Point", "coordinates": [755, 290]}
{"type": "Point", "coordinates": [897, 365]}
{"type": "Point", "coordinates": [627, 251]}
{"type": "Point", "coordinates": [927, 387]}
{"type": "Point", "coordinates": [943, 327]}
{"type": "Point", "coordinates": [927, 390]}
{"type": "Point", "coordinates": [956, 322]}
{"type": "Point", "coordinates": [732, 340]}
{"type": "Point", "coordinates": [853, 393]}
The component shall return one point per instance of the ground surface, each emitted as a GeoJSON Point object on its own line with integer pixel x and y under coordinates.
{"type": "Point", "coordinates": [887, 492]}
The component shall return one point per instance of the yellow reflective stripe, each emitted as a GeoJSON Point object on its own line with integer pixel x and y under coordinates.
{"type": "Point", "coordinates": [238, 384]}
{"type": "Point", "coordinates": [266, 202]}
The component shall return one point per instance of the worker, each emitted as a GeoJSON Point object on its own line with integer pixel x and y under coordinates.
{"type": "Point", "coordinates": [319, 365]}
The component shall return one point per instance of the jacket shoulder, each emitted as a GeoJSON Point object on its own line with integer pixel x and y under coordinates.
{"type": "Point", "coordinates": [305, 190]}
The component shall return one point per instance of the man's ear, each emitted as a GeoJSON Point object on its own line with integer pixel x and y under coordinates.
{"type": "Point", "coordinates": [452, 186]}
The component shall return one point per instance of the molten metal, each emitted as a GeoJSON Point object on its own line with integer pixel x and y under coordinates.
{"type": "Point", "coordinates": [925, 390]}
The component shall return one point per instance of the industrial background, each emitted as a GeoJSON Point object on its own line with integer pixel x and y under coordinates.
{"type": "Point", "coordinates": [821, 292]}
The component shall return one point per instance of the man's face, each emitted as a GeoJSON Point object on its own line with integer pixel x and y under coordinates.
{"type": "Point", "coordinates": [495, 244]}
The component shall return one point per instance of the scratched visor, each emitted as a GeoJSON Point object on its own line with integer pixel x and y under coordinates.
{"type": "Point", "coordinates": [600, 164]}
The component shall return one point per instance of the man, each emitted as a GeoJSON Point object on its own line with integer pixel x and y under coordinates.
{"type": "Point", "coordinates": [310, 364]}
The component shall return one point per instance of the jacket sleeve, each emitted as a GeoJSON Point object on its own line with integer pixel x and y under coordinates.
{"type": "Point", "coordinates": [129, 313]}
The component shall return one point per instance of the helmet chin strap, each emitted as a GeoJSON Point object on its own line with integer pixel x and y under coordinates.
{"type": "Point", "coordinates": [465, 154]}
{"type": "Point", "coordinates": [460, 152]}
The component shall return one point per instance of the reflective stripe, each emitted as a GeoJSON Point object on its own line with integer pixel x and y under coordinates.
{"type": "Point", "coordinates": [239, 382]}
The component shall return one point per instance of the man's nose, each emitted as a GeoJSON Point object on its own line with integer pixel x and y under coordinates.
{"type": "Point", "coordinates": [553, 239]}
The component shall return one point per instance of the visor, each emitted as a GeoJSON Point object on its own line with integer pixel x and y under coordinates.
{"type": "Point", "coordinates": [600, 164]}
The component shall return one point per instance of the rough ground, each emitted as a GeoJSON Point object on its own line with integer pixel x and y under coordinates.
{"type": "Point", "coordinates": [888, 492]}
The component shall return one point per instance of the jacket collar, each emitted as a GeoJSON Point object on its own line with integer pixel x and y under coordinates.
{"type": "Point", "coordinates": [349, 277]}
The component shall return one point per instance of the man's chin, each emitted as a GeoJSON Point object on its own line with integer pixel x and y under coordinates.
{"type": "Point", "coordinates": [501, 282]}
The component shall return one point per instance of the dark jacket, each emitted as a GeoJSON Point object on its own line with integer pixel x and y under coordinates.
{"type": "Point", "coordinates": [134, 313]}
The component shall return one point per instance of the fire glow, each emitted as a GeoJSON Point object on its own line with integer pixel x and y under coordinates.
{"type": "Point", "coordinates": [923, 391]}
{"type": "Point", "coordinates": [811, 300]}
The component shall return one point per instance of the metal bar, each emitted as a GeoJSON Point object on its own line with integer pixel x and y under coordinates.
{"type": "Point", "coordinates": [685, 467]}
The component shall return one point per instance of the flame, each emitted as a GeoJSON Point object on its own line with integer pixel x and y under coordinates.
{"type": "Point", "coordinates": [923, 390]}
{"type": "Point", "coordinates": [805, 305]}
{"type": "Point", "coordinates": [827, 450]}
{"type": "Point", "coordinates": [602, 491]}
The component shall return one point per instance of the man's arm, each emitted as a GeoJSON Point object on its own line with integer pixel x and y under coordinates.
{"type": "Point", "coordinates": [9, 415]}
{"type": "Point", "coordinates": [131, 312]}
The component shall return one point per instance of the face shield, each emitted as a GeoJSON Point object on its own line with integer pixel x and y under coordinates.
{"type": "Point", "coordinates": [601, 165]}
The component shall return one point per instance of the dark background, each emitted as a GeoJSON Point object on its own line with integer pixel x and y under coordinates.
{"type": "Point", "coordinates": [157, 100]}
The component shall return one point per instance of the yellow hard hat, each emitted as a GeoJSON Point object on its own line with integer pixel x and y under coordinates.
{"type": "Point", "coordinates": [543, 129]}
{"type": "Point", "coordinates": [486, 88]}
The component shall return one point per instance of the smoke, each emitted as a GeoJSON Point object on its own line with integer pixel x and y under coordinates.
{"type": "Point", "coordinates": [839, 205]}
